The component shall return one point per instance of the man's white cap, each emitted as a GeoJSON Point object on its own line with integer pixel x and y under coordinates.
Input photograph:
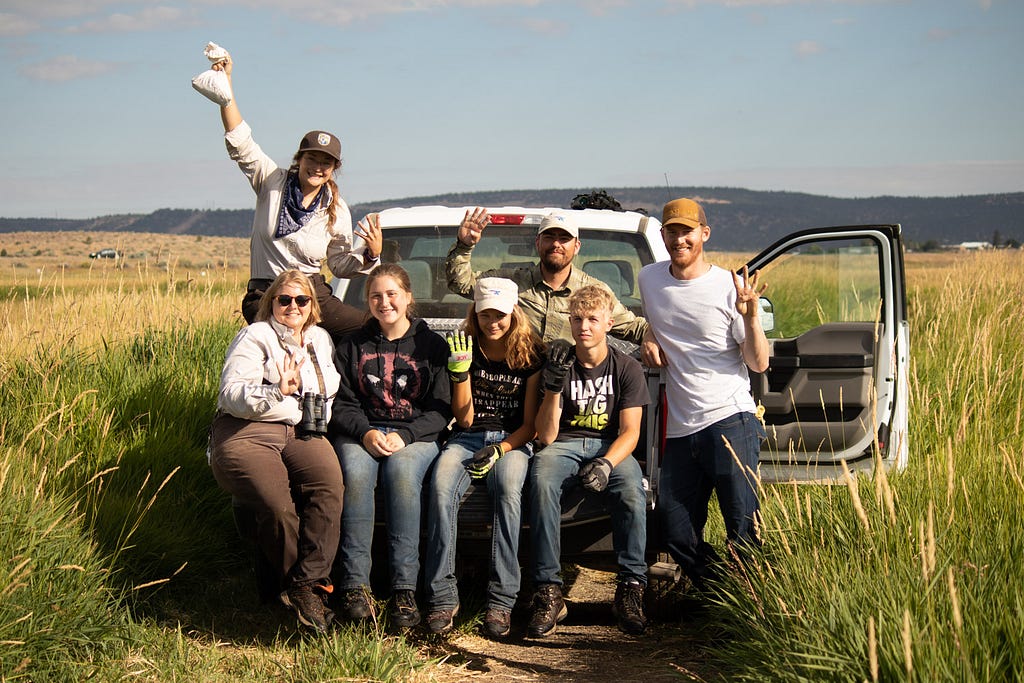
{"type": "Point", "coordinates": [557, 221]}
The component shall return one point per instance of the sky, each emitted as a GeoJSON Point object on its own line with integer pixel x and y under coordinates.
{"type": "Point", "coordinates": [846, 98]}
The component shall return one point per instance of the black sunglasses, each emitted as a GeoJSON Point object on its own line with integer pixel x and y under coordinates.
{"type": "Point", "coordinates": [286, 300]}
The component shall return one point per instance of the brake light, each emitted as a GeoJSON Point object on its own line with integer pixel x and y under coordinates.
{"type": "Point", "coordinates": [507, 219]}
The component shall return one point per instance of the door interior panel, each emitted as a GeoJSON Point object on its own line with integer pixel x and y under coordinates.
{"type": "Point", "coordinates": [817, 393]}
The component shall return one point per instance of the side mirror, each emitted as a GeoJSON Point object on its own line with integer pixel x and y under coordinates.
{"type": "Point", "coordinates": [767, 314]}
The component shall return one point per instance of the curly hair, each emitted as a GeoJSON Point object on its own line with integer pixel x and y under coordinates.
{"type": "Point", "coordinates": [332, 208]}
{"type": "Point", "coordinates": [289, 277]}
{"type": "Point", "coordinates": [590, 299]}
{"type": "Point", "coordinates": [522, 345]}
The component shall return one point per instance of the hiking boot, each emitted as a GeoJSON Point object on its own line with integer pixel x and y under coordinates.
{"type": "Point", "coordinates": [356, 604]}
{"type": "Point", "coordinates": [547, 610]}
{"type": "Point", "coordinates": [629, 607]}
{"type": "Point", "coordinates": [308, 607]}
{"type": "Point", "coordinates": [497, 623]}
{"type": "Point", "coordinates": [404, 613]}
{"type": "Point", "coordinates": [324, 590]}
{"type": "Point", "coordinates": [441, 620]}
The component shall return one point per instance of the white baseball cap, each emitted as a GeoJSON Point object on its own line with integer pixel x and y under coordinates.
{"type": "Point", "coordinates": [497, 293]}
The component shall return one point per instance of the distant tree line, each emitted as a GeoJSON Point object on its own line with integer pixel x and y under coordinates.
{"type": "Point", "coordinates": [739, 218]}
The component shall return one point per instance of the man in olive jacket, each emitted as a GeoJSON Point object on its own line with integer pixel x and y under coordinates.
{"type": "Point", "coordinates": [544, 288]}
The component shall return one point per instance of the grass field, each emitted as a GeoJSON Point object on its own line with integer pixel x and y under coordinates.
{"type": "Point", "coordinates": [119, 560]}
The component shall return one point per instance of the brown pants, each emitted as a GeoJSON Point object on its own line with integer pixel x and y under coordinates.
{"type": "Point", "coordinates": [293, 486]}
{"type": "Point", "coordinates": [339, 319]}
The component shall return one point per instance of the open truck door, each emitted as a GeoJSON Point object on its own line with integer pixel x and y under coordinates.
{"type": "Point", "coordinates": [836, 388]}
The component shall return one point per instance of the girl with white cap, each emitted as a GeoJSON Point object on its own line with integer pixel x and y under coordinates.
{"type": "Point", "coordinates": [494, 367]}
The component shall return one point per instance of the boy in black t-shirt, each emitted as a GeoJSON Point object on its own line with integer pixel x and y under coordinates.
{"type": "Point", "coordinates": [590, 420]}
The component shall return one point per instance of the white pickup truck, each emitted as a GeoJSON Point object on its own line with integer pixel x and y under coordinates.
{"type": "Point", "coordinates": [836, 316]}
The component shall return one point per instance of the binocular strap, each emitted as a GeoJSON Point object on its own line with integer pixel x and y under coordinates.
{"type": "Point", "coordinates": [316, 366]}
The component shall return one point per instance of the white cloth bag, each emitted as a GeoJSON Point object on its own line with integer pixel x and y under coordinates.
{"type": "Point", "coordinates": [214, 85]}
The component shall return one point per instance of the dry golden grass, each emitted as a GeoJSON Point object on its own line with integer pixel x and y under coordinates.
{"type": "Point", "coordinates": [28, 252]}
{"type": "Point", "coordinates": [52, 293]}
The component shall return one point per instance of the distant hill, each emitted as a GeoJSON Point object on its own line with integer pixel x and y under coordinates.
{"type": "Point", "coordinates": [739, 218]}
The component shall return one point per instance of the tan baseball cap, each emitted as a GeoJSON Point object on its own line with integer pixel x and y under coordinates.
{"type": "Point", "coordinates": [554, 221]}
{"type": "Point", "coordinates": [685, 211]}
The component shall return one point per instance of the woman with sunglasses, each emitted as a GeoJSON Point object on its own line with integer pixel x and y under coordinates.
{"type": "Point", "coordinates": [268, 445]}
{"type": "Point", "coordinates": [392, 406]}
{"type": "Point", "coordinates": [300, 218]}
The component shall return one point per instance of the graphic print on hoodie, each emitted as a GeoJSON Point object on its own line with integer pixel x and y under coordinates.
{"type": "Point", "coordinates": [390, 381]}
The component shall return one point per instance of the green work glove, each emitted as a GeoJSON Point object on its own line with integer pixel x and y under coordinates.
{"type": "Point", "coordinates": [594, 475]}
{"type": "Point", "coordinates": [483, 460]}
{"type": "Point", "coordinates": [561, 355]}
{"type": "Point", "coordinates": [461, 357]}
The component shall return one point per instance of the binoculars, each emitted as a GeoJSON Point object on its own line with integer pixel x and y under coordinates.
{"type": "Point", "coordinates": [314, 420]}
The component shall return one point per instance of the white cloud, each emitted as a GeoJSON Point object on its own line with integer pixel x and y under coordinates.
{"type": "Point", "coordinates": [66, 68]}
{"type": "Point", "coordinates": [52, 10]}
{"type": "Point", "coordinates": [600, 8]}
{"type": "Point", "coordinates": [342, 13]}
{"type": "Point", "coordinates": [16, 25]}
{"type": "Point", "coordinates": [544, 27]}
{"type": "Point", "coordinates": [22, 17]}
{"type": "Point", "coordinates": [148, 19]}
{"type": "Point", "coordinates": [691, 4]}
{"type": "Point", "coordinates": [808, 48]}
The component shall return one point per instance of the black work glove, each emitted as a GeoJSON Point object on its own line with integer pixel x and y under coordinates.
{"type": "Point", "coordinates": [561, 354]}
{"type": "Point", "coordinates": [594, 475]}
{"type": "Point", "coordinates": [483, 460]}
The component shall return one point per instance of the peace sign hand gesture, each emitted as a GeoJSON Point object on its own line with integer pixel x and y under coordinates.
{"type": "Point", "coordinates": [747, 293]}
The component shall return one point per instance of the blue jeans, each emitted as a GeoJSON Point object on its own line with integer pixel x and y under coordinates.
{"type": "Point", "coordinates": [698, 464]}
{"type": "Point", "coordinates": [554, 470]}
{"type": "Point", "coordinates": [402, 476]}
{"type": "Point", "coordinates": [450, 482]}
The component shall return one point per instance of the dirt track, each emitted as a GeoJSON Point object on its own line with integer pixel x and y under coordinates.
{"type": "Point", "coordinates": [586, 647]}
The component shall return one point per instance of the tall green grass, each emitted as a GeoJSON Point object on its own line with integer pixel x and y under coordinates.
{"type": "Point", "coordinates": [118, 554]}
{"type": "Point", "coordinates": [59, 614]}
{"type": "Point", "coordinates": [915, 576]}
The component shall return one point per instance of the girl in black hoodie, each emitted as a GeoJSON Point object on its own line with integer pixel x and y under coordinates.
{"type": "Point", "coordinates": [393, 404]}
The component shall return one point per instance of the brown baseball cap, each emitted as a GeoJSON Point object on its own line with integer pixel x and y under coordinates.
{"type": "Point", "coordinates": [321, 141]}
{"type": "Point", "coordinates": [685, 211]}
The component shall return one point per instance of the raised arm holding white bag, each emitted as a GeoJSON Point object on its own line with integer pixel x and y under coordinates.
{"type": "Point", "coordinates": [301, 219]}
